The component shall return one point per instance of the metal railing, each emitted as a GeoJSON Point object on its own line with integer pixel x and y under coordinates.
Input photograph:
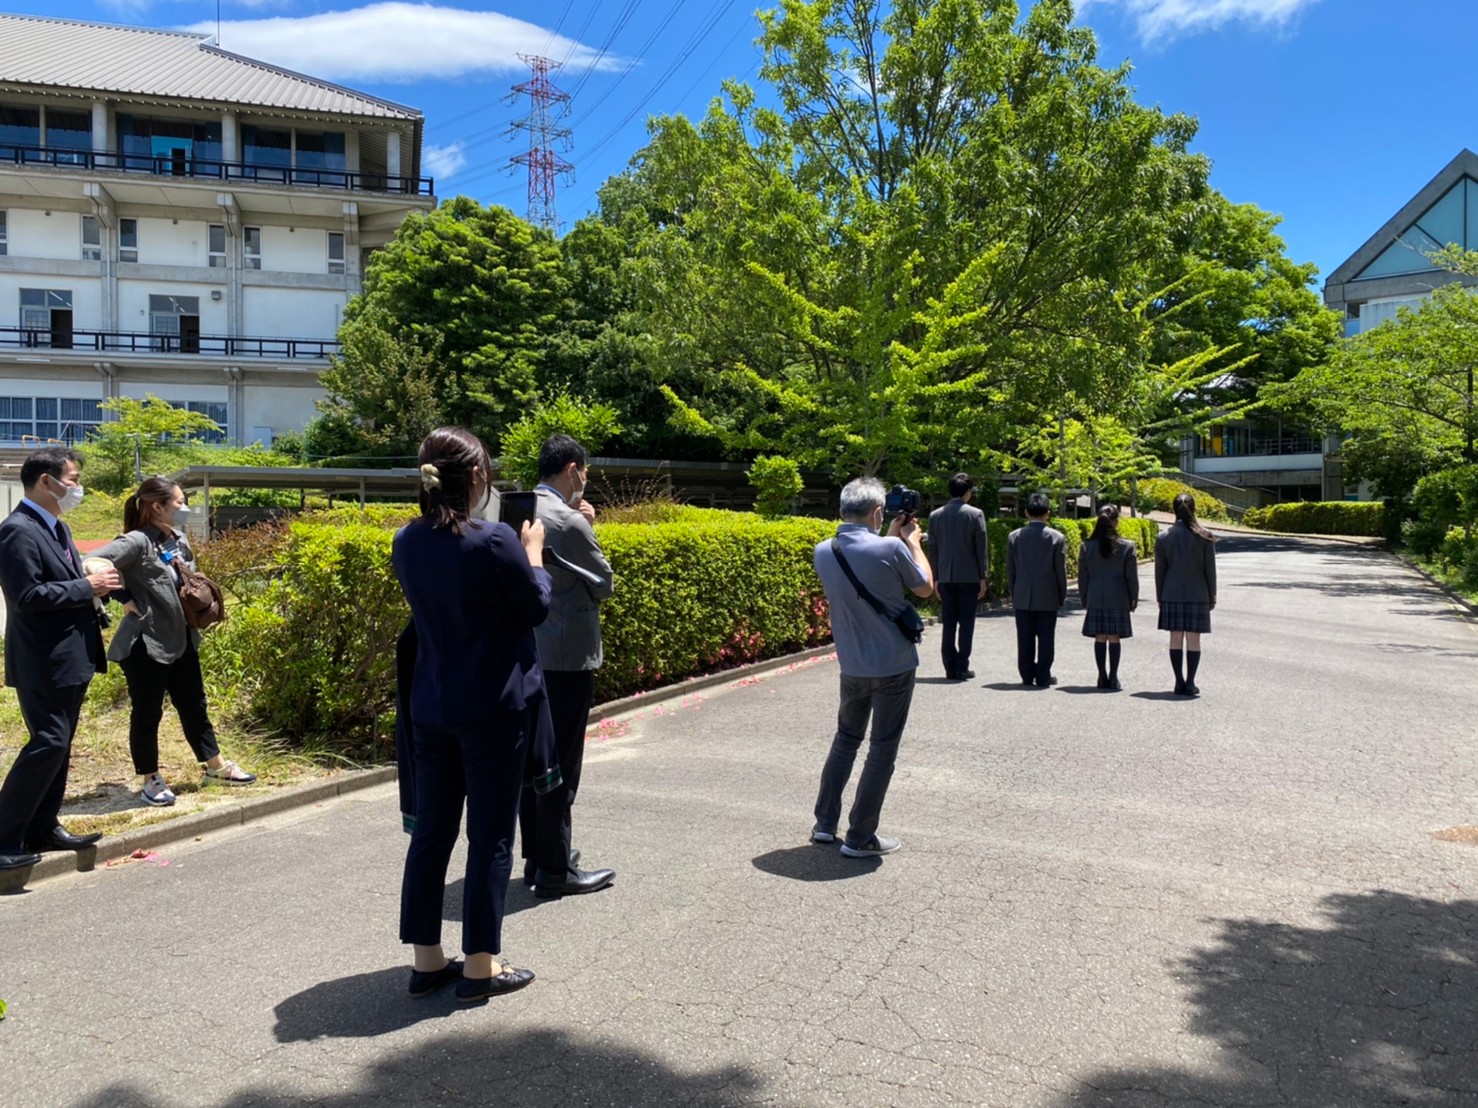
{"type": "Point", "coordinates": [1264, 447]}
{"type": "Point", "coordinates": [145, 342]}
{"type": "Point", "coordinates": [181, 164]}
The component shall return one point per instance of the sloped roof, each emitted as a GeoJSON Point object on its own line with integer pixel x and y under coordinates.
{"type": "Point", "coordinates": [1405, 228]}
{"type": "Point", "coordinates": [103, 58]}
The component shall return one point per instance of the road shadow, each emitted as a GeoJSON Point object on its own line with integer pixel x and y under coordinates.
{"type": "Point", "coordinates": [520, 897]}
{"type": "Point", "coordinates": [1010, 686]}
{"type": "Point", "coordinates": [814, 862]}
{"type": "Point", "coordinates": [1163, 696]}
{"type": "Point", "coordinates": [1284, 544]}
{"type": "Point", "coordinates": [481, 1063]}
{"type": "Point", "coordinates": [1373, 1006]}
{"type": "Point", "coordinates": [361, 1006]}
{"type": "Point", "coordinates": [1079, 690]}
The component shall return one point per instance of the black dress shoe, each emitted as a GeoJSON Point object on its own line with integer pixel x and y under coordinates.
{"type": "Point", "coordinates": [1114, 685]}
{"type": "Point", "coordinates": [1191, 690]}
{"type": "Point", "coordinates": [424, 984]}
{"type": "Point", "coordinates": [1047, 684]}
{"type": "Point", "coordinates": [62, 839]}
{"type": "Point", "coordinates": [510, 980]}
{"type": "Point", "coordinates": [1180, 689]}
{"type": "Point", "coordinates": [964, 675]}
{"type": "Point", "coordinates": [572, 883]}
{"type": "Point", "coordinates": [1103, 682]}
{"type": "Point", "coordinates": [18, 861]}
{"type": "Point", "coordinates": [530, 869]}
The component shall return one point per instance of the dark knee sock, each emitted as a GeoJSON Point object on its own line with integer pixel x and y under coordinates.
{"type": "Point", "coordinates": [1175, 661]}
{"type": "Point", "coordinates": [1192, 663]}
{"type": "Point", "coordinates": [1098, 656]}
{"type": "Point", "coordinates": [1114, 651]}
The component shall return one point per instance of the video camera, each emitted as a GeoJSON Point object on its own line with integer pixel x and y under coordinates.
{"type": "Point", "coordinates": [901, 500]}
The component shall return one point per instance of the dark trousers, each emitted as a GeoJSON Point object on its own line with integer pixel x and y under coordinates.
{"type": "Point", "coordinates": [1036, 644]}
{"type": "Point", "coordinates": [31, 797]}
{"type": "Point", "coordinates": [483, 764]}
{"type": "Point", "coordinates": [886, 700]}
{"type": "Point", "coordinates": [957, 615]}
{"type": "Point", "coordinates": [544, 821]}
{"type": "Point", "coordinates": [148, 682]}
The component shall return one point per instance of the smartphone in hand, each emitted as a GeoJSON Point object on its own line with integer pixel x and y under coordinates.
{"type": "Point", "coordinates": [518, 508]}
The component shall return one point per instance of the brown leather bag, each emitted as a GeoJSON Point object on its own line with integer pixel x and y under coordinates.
{"type": "Point", "coordinates": [201, 599]}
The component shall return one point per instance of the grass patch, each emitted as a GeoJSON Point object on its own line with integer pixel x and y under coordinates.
{"type": "Point", "coordinates": [1451, 576]}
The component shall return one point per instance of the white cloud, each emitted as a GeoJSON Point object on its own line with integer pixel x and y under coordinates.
{"type": "Point", "coordinates": [443, 161]}
{"type": "Point", "coordinates": [401, 42]}
{"type": "Point", "coordinates": [1162, 19]}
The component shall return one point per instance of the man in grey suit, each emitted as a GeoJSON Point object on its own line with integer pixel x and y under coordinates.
{"type": "Point", "coordinates": [1036, 574]}
{"type": "Point", "coordinates": [959, 554]}
{"type": "Point", "coordinates": [569, 654]}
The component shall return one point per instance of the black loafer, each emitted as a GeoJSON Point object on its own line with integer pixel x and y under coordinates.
{"type": "Point", "coordinates": [509, 981]}
{"type": "Point", "coordinates": [530, 869]}
{"type": "Point", "coordinates": [424, 984]}
{"type": "Point", "coordinates": [18, 861]}
{"type": "Point", "coordinates": [572, 883]}
{"type": "Point", "coordinates": [62, 839]}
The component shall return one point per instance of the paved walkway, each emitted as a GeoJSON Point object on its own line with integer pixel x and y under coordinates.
{"type": "Point", "coordinates": [1102, 900]}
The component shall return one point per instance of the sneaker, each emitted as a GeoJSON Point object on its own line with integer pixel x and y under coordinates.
{"type": "Point", "coordinates": [231, 773]}
{"type": "Point", "coordinates": [820, 835]}
{"type": "Point", "coordinates": [156, 792]}
{"type": "Point", "coordinates": [875, 847]}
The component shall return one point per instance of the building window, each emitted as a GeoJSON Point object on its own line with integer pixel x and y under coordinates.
{"type": "Point", "coordinates": [251, 247]}
{"type": "Point", "coordinates": [68, 131]}
{"type": "Point", "coordinates": [216, 411]}
{"type": "Point", "coordinates": [217, 246]}
{"type": "Point", "coordinates": [48, 418]}
{"type": "Point", "coordinates": [128, 240]}
{"type": "Point", "coordinates": [46, 317]}
{"type": "Point", "coordinates": [4, 242]}
{"type": "Point", "coordinates": [266, 148]}
{"type": "Point", "coordinates": [336, 251]}
{"type": "Point", "coordinates": [19, 127]}
{"type": "Point", "coordinates": [92, 239]}
{"type": "Point", "coordinates": [176, 322]}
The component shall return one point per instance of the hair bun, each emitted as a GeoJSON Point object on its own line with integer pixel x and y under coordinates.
{"type": "Point", "coordinates": [430, 476]}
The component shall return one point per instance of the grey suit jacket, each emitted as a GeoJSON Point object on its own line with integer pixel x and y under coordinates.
{"type": "Point", "coordinates": [1111, 582]}
{"type": "Point", "coordinates": [1036, 568]}
{"type": "Point", "coordinates": [1185, 567]}
{"type": "Point", "coordinates": [155, 591]}
{"type": "Point", "coordinates": [569, 639]}
{"type": "Point", "coordinates": [957, 545]}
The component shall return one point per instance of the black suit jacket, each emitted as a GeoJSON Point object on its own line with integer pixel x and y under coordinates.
{"type": "Point", "coordinates": [52, 636]}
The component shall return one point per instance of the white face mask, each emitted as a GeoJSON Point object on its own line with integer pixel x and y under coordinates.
{"type": "Point", "coordinates": [180, 517]}
{"type": "Point", "coordinates": [577, 493]}
{"type": "Point", "coordinates": [71, 496]}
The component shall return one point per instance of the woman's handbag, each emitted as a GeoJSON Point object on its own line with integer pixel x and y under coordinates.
{"type": "Point", "coordinates": [201, 598]}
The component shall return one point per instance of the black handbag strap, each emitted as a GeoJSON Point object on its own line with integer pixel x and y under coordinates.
{"type": "Point", "coordinates": [862, 593]}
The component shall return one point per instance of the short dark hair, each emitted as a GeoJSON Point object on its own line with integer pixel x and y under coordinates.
{"type": "Point", "coordinates": [557, 452]}
{"type": "Point", "coordinates": [50, 461]}
{"type": "Point", "coordinates": [960, 484]}
{"type": "Point", "coordinates": [1037, 505]}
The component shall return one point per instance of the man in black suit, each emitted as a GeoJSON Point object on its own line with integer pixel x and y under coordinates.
{"type": "Point", "coordinates": [1036, 574]}
{"type": "Point", "coordinates": [53, 646]}
{"type": "Point", "coordinates": [959, 553]}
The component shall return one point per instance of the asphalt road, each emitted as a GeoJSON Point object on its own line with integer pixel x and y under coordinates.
{"type": "Point", "coordinates": [1102, 899]}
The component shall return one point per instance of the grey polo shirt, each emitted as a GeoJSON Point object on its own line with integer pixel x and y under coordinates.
{"type": "Point", "coordinates": [868, 644]}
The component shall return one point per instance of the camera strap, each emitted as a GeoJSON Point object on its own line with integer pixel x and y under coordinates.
{"type": "Point", "coordinates": [862, 593]}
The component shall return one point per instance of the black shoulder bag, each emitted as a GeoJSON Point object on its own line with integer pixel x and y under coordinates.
{"type": "Point", "coordinates": [909, 623]}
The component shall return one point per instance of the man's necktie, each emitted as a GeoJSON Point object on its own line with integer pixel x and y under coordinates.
{"type": "Point", "coordinates": [61, 537]}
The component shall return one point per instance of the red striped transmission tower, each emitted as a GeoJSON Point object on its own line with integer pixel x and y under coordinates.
{"type": "Point", "coordinates": [544, 165]}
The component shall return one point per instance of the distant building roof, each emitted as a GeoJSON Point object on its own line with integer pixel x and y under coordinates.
{"type": "Point", "coordinates": [103, 58]}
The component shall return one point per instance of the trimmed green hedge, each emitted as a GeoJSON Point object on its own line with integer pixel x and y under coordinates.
{"type": "Point", "coordinates": [1159, 493]}
{"type": "Point", "coordinates": [1320, 517]}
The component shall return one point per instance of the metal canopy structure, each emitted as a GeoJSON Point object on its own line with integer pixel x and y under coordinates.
{"type": "Point", "coordinates": [360, 482]}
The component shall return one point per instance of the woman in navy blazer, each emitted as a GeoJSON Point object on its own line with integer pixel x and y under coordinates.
{"type": "Point", "coordinates": [476, 591]}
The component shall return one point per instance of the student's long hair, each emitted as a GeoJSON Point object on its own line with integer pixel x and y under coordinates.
{"type": "Point", "coordinates": [1184, 507]}
{"type": "Point", "coordinates": [142, 506]}
{"type": "Point", "coordinates": [447, 457]}
{"type": "Point", "coordinates": [1106, 529]}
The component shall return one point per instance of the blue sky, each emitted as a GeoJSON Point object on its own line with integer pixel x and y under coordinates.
{"type": "Point", "coordinates": [1331, 113]}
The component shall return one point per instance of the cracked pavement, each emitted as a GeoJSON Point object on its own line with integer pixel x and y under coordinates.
{"type": "Point", "coordinates": [1102, 899]}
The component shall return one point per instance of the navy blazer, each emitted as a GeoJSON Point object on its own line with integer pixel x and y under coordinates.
{"type": "Point", "coordinates": [475, 602]}
{"type": "Point", "coordinates": [52, 636]}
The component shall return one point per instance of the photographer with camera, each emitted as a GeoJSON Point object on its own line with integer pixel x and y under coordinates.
{"type": "Point", "coordinates": [959, 555]}
{"type": "Point", "coordinates": [875, 630]}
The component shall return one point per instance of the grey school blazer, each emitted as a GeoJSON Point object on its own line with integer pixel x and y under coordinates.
{"type": "Point", "coordinates": [1185, 567]}
{"type": "Point", "coordinates": [957, 545]}
{"type": "Point", "coordinates": [569, 640]}
{"type": "Point", "coordinates": [155, 591]}
{"type": "Point", "coordinates": [1036, 568]}
{"type": "Point", "coordinates": [1111, 582]}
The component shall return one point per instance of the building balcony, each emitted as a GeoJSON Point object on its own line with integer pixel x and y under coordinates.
{"type": "Point", "coordinates": [1269, 446]}
{"type": "Point", "coordinates": [145, 342]}
{"type": "Point", "coordinates": [180, 164]}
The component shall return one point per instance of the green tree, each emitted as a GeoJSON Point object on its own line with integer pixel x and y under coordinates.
{"type": "Point", "coordinates": [777, 482]}
{"type": "Point", "coordinates": [463, 303]}
{"type": "Point", "coordinates": [932, 237]}
{"type": "Point", "coordinates": [592, 425]}
{"type": "Point", "coordinates": [146, 436]}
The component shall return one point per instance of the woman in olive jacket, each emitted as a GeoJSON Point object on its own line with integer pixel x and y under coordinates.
{"type": "Point", "coordinates": [157, 650]}
{"type": "Point", "coordinates": [1108, 586]}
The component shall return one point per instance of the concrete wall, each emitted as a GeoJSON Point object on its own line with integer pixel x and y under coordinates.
{"type": "Point", "coordinates": [296, 313]}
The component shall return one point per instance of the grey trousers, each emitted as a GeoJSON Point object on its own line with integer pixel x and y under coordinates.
{"type": "Point", "coordinates": [886, 700]}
